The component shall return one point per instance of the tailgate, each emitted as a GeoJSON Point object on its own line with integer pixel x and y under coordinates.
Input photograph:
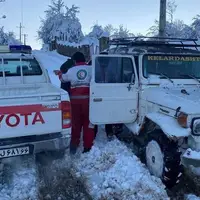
{"type": "Point", "coordinates": [30, 119]}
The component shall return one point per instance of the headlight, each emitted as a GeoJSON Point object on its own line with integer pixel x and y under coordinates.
{"type": "Point", "coordinates": [196, 127]}
{"type": "Point", "coordinates": [182, 120]}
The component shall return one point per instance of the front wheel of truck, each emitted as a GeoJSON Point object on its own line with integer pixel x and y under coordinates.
{"type": "Point", "coordinates": [163, 160]}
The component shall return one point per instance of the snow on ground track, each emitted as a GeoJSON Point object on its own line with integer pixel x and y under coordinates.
{"type": "Point", "coordinates": [20, 180]}
{"type": "Point", "coordinates": [50, 60]}
{"type": "Point", "coordinates": [113, 172]}
{"type": "Point", "coordinates": [58, 181]}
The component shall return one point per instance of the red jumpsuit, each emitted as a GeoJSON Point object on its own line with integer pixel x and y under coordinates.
{"type": "Point", "coordinates": [80, 77]}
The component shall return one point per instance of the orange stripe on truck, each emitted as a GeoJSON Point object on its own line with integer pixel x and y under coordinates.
{"type": "Point", "coordinates": [24, 109]}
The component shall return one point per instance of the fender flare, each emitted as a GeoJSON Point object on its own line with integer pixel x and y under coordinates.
{"type": "Point", "coordinates": [169, 125]}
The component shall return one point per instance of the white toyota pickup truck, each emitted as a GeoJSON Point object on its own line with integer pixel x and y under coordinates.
{"type": "Point", "coordinates": [34, 115]}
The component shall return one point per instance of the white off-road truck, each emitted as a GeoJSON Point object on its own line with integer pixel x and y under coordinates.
{"type": "Point", "coordinates": [150, 89]}
{"type": "Point", "coordinates": [34, 115]}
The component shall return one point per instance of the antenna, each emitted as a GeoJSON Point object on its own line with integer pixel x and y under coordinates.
{"type": "Point", "coordinates": [25, 37]}
{"type": "Point", "coordinates": [20, 31]}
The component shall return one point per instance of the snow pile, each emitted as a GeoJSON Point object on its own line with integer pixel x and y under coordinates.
{"type": "Point", "coordinates": [51, 61]}
{"type": "Point", "coordinates": [191, 197]}
{"type": "Point", "coordinates": [114, 172]}
{"type": "Point", "coordinates": [21, 180]}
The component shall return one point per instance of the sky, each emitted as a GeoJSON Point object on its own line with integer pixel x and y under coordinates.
{"type": "Point", "coordinates": [136, 15]}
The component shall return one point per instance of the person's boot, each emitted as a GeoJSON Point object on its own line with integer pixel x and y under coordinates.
{"type": "Point", "coordinates": [86, 150]}
{"type": "Point", "coordinates": [73, 149]}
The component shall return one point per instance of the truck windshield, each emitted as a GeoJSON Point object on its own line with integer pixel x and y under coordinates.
{"type": "Point", "coordinates": [11, 67]}
{"type": "Point", "coordinates": [173, 66]}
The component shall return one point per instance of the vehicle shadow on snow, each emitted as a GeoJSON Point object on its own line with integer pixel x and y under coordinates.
{"type": "Point", "coordinates": [57, 180]}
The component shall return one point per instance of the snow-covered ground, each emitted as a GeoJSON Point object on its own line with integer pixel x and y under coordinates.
{"type": "Point", "coordinates": [192, 197]}
{"type": "Point", "coordinates": [19, 180]}
{"type": "Point", "coordinates": [109, 171]}
{"type": "Point", "coordinates": [113, 172]}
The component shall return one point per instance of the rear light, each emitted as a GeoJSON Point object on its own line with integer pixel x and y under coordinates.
{"type": "Point", "coordinates": [66, 114]}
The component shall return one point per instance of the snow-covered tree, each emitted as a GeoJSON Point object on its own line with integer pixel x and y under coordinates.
{"type": "Point", "coordinates": [171, 9]}
{"type": "Point", "coordinates": [174, 29]}
{"type": "Point", "coordinates": [178, 29]}
{"type": "Point", "coordinates": [109, 29]}
{"type": "Point", "coordinates": [122, 32]}
{"type": "Point", "coordinates": [98, 32]}
{"type": "Point", "coordinates": [70, 28]}
{"type": "Point", "coordinates": [7, 38]}
{"type": "Point", "coordinates": [56, 8]}
{"type": "Point", "coordinates": [62, 22]}
{"type": "Point", "coordinates": [196, 26]}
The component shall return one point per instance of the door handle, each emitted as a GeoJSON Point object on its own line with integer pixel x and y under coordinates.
{"type": "Point", "coordinates": [129, 86]}
{"type": "Point", "coordinates": [97, 99]}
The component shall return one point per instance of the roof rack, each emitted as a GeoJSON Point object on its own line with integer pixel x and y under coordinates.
{"type": "Point", "coordinates": [155, 42]}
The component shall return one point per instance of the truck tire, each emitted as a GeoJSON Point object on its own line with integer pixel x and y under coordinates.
{"type": "Point", "coordinates": [163, 160]}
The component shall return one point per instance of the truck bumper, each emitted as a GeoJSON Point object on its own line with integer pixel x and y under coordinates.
{"type": "Point", "coordinates": [51, 145]}
{"type": "Point", "coordinates": [191, 158]}
{"type": "Point", "coordinates": [37, 144]}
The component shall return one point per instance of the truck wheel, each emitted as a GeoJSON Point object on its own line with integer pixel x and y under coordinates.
{"type": "Point", "coordinates": [163, 160]}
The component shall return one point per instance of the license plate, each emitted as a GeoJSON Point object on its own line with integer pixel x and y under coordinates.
{"type": "Point", "coordinates": [11, 152]}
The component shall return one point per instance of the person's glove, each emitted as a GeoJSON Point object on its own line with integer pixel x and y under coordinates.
{"type": "Point", "coordinates": [58, 73]}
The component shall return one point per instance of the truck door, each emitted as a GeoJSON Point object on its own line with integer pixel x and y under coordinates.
{"type": "Point", "coordinates": [113, 90]}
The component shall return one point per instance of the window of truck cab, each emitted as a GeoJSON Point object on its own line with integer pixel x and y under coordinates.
{"type": "Point", "coordinates": [174, 66]}
{"type": "Point", "coordinates": [12, 67]}
{"type": "Point", "coordinates": [113, 69]}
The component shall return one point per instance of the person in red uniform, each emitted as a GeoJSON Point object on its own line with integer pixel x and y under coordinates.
{"type": "Point", "coordinates": [79, 77]}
